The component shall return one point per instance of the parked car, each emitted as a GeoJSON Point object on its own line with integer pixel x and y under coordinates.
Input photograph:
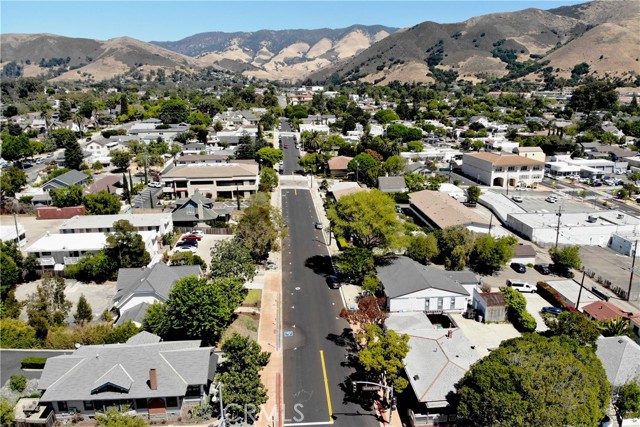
{"type": "Point", "coordinates": [596, 183]}
{"type": "Point", "coordinates": [521, 286]}
{"type": "Point", "coordinates": [333, 281]}
{"type": "Point", "coordinates": [562, 271]}
{"type": "Point", "coordinates": [516, 198]}
{"type": "Point", "coordinates": [188, 237]}
{"type": "Point", "coordinates": [398, 209]}
{"type": "Point", "coordinates": [286, 145]}
{"type": "Point", "coordinates": [184, 248]}
{"type": "Point", "coordinates": [619, 182]}
{"type": "Point", "coordinates": [187, 243]}
{"type": "Point", "coordinates": [543, 269]}
{"type": "Point", "coordinates": [551, 199]}
{"type": "Point", "coordinates": [318, 225]}
{"type": "Point", "coordinates": [197, 232]}
{"type": "Point", "coordinates": [551, 310]}
{"type": "Point", "coordinates": [154, 184]}
{"type": "Point", "coordinates": [519, 267]}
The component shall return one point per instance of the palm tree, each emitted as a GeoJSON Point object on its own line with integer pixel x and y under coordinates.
{"type": "Point", "coordinates": [615, 327]}
{"type": "Point", "coordinates": [45, 114]}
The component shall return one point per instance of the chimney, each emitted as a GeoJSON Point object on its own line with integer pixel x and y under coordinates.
{"type": "Point", "coordinates": [450, 333]}
{"type": "Point", "coordinates": [200, 211]}
{"type": "Point", "coordinates": [153, 379]}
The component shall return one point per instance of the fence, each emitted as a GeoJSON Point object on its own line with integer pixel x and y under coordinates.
{"type": "Point", "coordinates": [205, 230]}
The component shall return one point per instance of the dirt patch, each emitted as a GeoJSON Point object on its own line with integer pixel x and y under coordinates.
{"type": "Point", "coordinates": [246, 324]}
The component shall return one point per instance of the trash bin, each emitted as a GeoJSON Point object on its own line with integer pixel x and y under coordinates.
{"type": "Point", "coordinates": [479, 318]}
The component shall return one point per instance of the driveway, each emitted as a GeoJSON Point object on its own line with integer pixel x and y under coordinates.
{"type": "Point", "coordinates": [10, 362]}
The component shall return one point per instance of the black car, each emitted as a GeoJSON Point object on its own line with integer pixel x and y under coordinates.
{"type": "Point", "coordinates": [562, 271]}
{"type": "Point", "coordinates": [543, 269]}
{"type": "Point", "coordinates": [551, 310]}
{"type": "Point", "coordinates": [333, 281]}
{"type": "Point", "coordinates": [519, 267]}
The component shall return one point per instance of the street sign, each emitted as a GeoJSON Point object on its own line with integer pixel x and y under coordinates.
{"type": "Point", "coordinates": [370, 388]}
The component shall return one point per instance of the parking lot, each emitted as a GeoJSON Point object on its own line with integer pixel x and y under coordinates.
{"type": "Point", "coordinates": [34, 228]}
{"type": "Point", "coordinates": [206, 244]}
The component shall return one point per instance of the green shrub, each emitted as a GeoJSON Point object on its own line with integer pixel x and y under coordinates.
{"type": "Point", "coordinates": [15, 333]}
{"type": "Point", "coordinates": [18, 383]}
{"type": "Point", "coordinates": [33, 362]}
{"type": "Point", "coordinates": [517, 310]}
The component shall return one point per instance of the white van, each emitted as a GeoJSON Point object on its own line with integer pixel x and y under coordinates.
{"type": "Point", "coordinates": [521, 286]}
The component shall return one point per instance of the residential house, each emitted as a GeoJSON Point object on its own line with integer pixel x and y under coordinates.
{"type": "Point", "coordinates": [111, 184]}
{"type": "Point", "coordinates": [138, 288]}
{"type": "Point", "coordinates": [13, 232]}
{"type": "Point", "coordinates": [619, 356]}
{"type": "Point", "coordinates": [148, 377]}
{"type": "Point", "coordinates": [534, 153]}
{"type": "Point", "coordinates": [503, 170]}
{"type": "Point", "coordinates": [67, 179]}
{"type": "Point", "coordinates": [338, 166]}
{"type": "Point", "coordinates": [213, 180]}
{"type": "Point", "coordinates": [419, 168]}
{"type": "Point", "coordinates": [337, 190]}
{"type": "Point", "coordinates": [439, 356]}
{"type": "Point", "coordinates": [159, 223]}
{"type": "Point", "coordinates": [192, 211]}
{"type": "Point", "coordinates": [148, 131]}
{"type": "Point", "coordinates": [439, 210]}
{"type": "Point", "coordinates": [392, 184]}
{"type": "Point", "coordinates": [57, 251]}
{"type": "Point", "coordinates": [411, 286]}
{"type": "Point", "coordinates": [602, 311]}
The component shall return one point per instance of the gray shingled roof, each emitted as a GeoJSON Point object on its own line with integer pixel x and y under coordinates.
{"type": "Point", "coordinates": [620, 357]}
{"type": "Point", "coordinates": [95, 371]}
{"type": "Point", "coordinates": [390, 183]}
{"type": "Point", "coordinates": [402, 276]}
{"type": "Point", "coordinates": [156, 281]}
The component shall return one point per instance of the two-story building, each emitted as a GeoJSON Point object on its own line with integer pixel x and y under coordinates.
{"type": "Point", "coordinates": [503, 170]}
{"type": "Point", "coordinates": [160, 223]}
{"type": "Point", "coordinates": [225, 180]}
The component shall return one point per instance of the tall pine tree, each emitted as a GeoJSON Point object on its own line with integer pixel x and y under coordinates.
{"type": "Point", "coordinates": [73, 155]}
{"type": "Point", "coordinates": [83, 311]}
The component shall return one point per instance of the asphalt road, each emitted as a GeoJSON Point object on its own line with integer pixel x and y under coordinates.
{"type": "Point", "coordinates": [10, 362]}
{"type": "Point", "coordinates": [316, 371]}
{"type": "Point", "coordinates": [290, 161]}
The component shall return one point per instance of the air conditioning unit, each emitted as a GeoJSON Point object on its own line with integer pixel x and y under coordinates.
{"type": "Point", "coordinates": [592, 219]}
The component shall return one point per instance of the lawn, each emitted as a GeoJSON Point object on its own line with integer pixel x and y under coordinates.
{"type": "Point", "coordinates": [253, 299]}
{"type": "Point", "coordinates": [246, 324]}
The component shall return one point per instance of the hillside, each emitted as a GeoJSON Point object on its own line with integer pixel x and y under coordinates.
{"type": "Point", "coordinates": [66, 58]}
{"type": "Point", "coordinates": [496, 45]}
{"type": "Point", "coordinates": [285, 54]}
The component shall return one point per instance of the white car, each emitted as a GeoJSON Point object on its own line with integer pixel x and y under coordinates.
{"type": "Point", "coordinates": [191, 249]}
{"type": "Point", "coordinates": [154, 184]}
{"type": "Point", "coordinates": [551, 199]}
{"type": "Point", "coordinates": [516, 198]}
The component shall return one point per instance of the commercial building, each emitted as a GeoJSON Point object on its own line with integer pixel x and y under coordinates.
{"type": "Point", "coordinates": [502, 170]}
{"type": "Point", "coordinates": [225, 180]}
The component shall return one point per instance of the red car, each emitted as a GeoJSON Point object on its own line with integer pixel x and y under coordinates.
{"type": "Point", "coordinates": [286, 145]}
{"type": "Point", "coordinates": [191, 237]}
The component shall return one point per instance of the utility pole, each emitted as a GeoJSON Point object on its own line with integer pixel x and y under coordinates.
{"type": "Point", "coordinates": [558, 227]}
{"type": "Point", "coordinates": [15, 221]}
{"type": "Point", "coordinates": [507, 181]}
{"type": "Point", "coordinates": [633, 264]}
{"type": "Point", "coordinates": [490, 223]}
{"type": "Point", "coordinates": [584, 273]}
{"type": "Point", "coordinates": [450, 169]}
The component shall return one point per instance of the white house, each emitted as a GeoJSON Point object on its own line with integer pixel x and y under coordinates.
{"type": "Point", "coordinates": [160, 223]}
{"type": "Point", "coordinates": [502, 170]}
{"type": "Point", "coordinates": [410, 286]}
{"type": "Point", "coordinates": [212, 180]}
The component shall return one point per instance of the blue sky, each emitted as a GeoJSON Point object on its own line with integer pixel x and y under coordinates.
{"type": "Point", "coordinates": [174, 20]}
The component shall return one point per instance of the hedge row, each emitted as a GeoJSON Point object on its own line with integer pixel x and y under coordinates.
{"type": "Point", "coordinates": [517, 310]}
{"type": "Point", "coordinates": [33, 362]}
{"type": "Point", "coordinates": [554, 297]}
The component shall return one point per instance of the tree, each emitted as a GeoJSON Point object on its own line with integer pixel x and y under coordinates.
{"type": "Point", "coordinates": [473, 194]}
{"type": "Point", "coordinates": [415, 181]}
{"type": "Point", "coordinates": [48, 302]}
{"type": "Point", "coordinates": [15, 333]}
{"type": "Point", "coordinates": [383, 355]}
{"type": "Point", "coordinates": [599, 95]}
{"type": "Point", "coordinates": [120, 158]}
{"type": "Point", "coordinates": [371, 311]}
{"type": "Point", "coordinates": [395, 165]}
{"type": "Point", "coordinates": [567, 257]}
{"type": "Point", "coordinates": [6, 413]}
{"type": "Point", "coordinates": [15, 147]}
{"type": "Point", "coordinates": [9, 272]}
{"type": "Point", "coordinates": [628, 400]}
{"type": "Point", "coordinates": [124, 104]}
{"type": "Point", "coordinates": [360, 164]}
{"type": "Point", "coordinates": [125, 246]}
{"type": "Point", "coordinates": [415, 146]}
{"type": "Point", "coordinates": [240, 374]}
{"type": "Point", "coordinates": [93, 268]}
{"type": "Point", "coordinates": [517, 310]}
{"type": "Point", "coordinates": [83, 311]}
{"type": "Point", "coordinates": [422, 248]}
{"type": "Point", "coordinates": [113, 418]}
{"type": "Point", "coordinates": [368, 218]}
{"type": "Point", "coordinates": [73, 154]}
{"type": "Point", "coordinates": [268, 180]}
{"type": "Point", "coordinates": [260, 227]}
{"type": "Point", "coordinates": [12, 181]}
{"type": "Point", "coordinates": [534, 381]}
{"type": "Point", "coordinates": [30, 267]}
{"type": "Point", "coordinates": [574, 325]}
{"type": "Point", "coordinates": [269, 156]}
{"type": "Point", "coordinates": [615, 327]}
{"type": "Point", "coordinates": [188, 258]}
{"type": "Point", "coordinates": [385, 116]}
{"type": "Point", "coordinates": [196, 309]}
{"type": "Point", "coordinates": [67, 196]}
{"type": "Point", "coordinates": [355, 263]}
{"type": "Point", "coordinates": [126, 191]}
{"type": "Point", "coordinates": [232, 258]}
{"type": "Point", "coordinates": [455, 244]}
{"type": "Point", "coordinates": [246, 147]}
{"type": "Point", "coordinates": [174, 111]}
{"type": "Point", "coordinates": [490, 254]}
{"type": "Point", "coordinates": [10, 307]}
{"type": "Point", "coordinates": [102, 203]}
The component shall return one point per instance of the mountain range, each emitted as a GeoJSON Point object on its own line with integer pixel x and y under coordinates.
{"type": "Point", "coordinates": [527, 44]}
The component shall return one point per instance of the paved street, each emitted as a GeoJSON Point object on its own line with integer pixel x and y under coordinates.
{"type": "Point", "coordinates": [314, 348]}
{"type": "Point", "coordinates": [290, 161]}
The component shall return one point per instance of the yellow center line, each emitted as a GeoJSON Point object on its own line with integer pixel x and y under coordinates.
{"type": "Point", "coordinates": [326, 385]}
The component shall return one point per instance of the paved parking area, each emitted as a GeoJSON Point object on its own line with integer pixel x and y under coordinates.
{"type": "Point", "coordinates": [207, 242]}
{"type": "Point", "coordinates": [485, 336]}
{"type": "Point", "coordinates": [99, 297]}
{"type": "Point", "coordinates": [34, 228]}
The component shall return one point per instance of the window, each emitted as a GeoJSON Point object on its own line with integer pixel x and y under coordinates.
{"type": "Point", "coordinates": [45, 253]}
{"type": "Point", "coordinates": [536, 168]}
{"type": "Point", "coordinates": [172, 402]}
{"type": "Point", "coordinates": [498, 169]}
{"type": "Point", "coordinates": [88, 405]}
{"type": "Point", "coordinates": [141, 403]}
{"type": "Point", "coordinates": [524, 176]}
{"type": "Point", "coordinates": [193, 391]}
{"type": "Point", "coordinates": [511, 169]}
{"type": "Point", "coordinates": [524, 168]}
{"type": "Point", "coordinates": [440, 303]}
{"type": "Point", "coordinates": [201, 182]}
{"type": "Point", "coordinates": [62, 406]}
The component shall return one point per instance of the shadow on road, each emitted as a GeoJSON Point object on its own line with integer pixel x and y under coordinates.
{"type": "Point", "coordinates": [319, 264]}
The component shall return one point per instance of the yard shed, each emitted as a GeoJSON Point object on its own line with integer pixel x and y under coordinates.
{"type": "Point", "coordinates": [490, 305]}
